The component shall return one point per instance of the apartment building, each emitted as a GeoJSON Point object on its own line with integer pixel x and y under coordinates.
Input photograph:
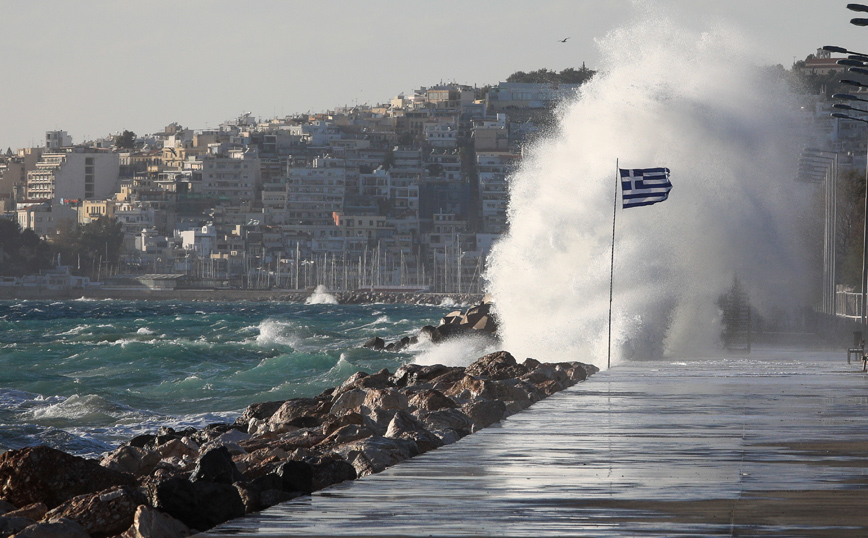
{"type": "Point", "coordinates": [73, 173]}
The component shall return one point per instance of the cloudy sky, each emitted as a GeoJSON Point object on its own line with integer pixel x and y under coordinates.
{"type": "Point", "coordinates": [96, 67]}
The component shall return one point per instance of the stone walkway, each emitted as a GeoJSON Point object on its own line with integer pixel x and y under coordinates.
{"type": "Point", "coordinates": [771, 444]}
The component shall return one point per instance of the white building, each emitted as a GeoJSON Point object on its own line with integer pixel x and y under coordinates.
{"type": "Point", "coordinates": [202, 241]}
{"type": "Point", "coordinates": [46, 219]}
{"type": "Point", "coordinates": [234, 179]}
{"type": "Point", "coordinates": [73, 174]}
{"type": "Point", "coordinates": [314, 193]}
{"type": "Point", "coordinates": [493, 170]}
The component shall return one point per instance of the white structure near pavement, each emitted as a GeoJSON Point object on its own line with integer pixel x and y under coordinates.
{"type": "Point", "coordinates": [202, 241]}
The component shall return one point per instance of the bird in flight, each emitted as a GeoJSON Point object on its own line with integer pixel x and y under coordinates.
{"type": "Point", "coordinates": [564, 40]}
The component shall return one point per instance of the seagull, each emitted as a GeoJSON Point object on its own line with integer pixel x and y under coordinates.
{"type": "Point", "coordinates": [564, 40]}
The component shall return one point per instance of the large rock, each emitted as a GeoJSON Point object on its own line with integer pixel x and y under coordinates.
{"type": "Point", "coordinates": [375, 454]}
{"type": "Point", "coordinates": [496, 367]}
{"type": "Point", "coordinates": [415, 374]}
{"type": "Point", "coordinates": [347, 434]}
{"type": "Point", "coordinates": [181, 448]}
{"type": "Point", "coordinates": [217, 466]}
{"type": "Point", "coordinates": [348, 402]}
{"type": "Point", "coordinates": [131, 459]}
{"type": "Point", "coordinates": [431, 400]}
{"type": "Point", "coordinates": [362, 380]}
{"type": "Point", "coordinates": [35, 511]}
{"type": "Point", "coordinates": [43, 474]}
{"type": "Point", "coordinates": [385, 399]}
{"type": "Point", "coordinates": [199, 505]}
{"type": "Point", "coordinates": [258, 411]}
{"type": "Point", "coordinates": [333, 423]}
{"type": "Point", "coordinates": [446, 419]}
{"type": "Point", "coordinates": [484, 413]}
{"type": "Point", "coordinates": [470, 387]}
{"type": "Point", "coordinates": [102, 514]}
{"type": "Point", "coordinates": [57, 528]}
{"type": "Point", "coordinates": [406, 426]}
{"type": "Point", "coordinates": [10, 525]}
{"type": "Point", "coordinates": [331, 470]}
{"type": "Point", "coordinates": [301, 412]}
{"type": "Point", "coordinates": [6, 507]}
{"type": "Point", "coordinates": [150, 523]}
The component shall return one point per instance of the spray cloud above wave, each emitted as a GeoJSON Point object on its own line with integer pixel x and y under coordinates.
{"type": "Point", "coordinates": [664, 96]}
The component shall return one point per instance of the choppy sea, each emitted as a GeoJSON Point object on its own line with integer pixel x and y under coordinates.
{"type": "Point", "coordinates": [84, 376]}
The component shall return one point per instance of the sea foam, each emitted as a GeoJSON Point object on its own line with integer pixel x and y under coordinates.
{"type": "Point", "coordinates": [687, 99]}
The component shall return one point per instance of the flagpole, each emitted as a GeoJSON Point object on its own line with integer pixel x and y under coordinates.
{"type": "Point", "coordinates": [612, 266]}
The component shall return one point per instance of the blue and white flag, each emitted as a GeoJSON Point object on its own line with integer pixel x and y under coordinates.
{"type": "Point", "coordinates": [644, 186]}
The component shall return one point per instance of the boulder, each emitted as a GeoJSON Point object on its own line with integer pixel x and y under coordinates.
{"type": "Point", "coordinates": [102, 514]}
{"type": "Point", "coordinates": [484, 413]}
{"type": "Point", "coordinates": [330, 470]}
{"type": "Point", "coordinates": [35, 511]}
{"type": "Point", "coordinates": [6, 507]}
{"type": "Point", "coordinates": [301, 408]}
{"type": "Point", "coordinates": [266, 491]}
{"type": "Point", "coordinates": [375, 454]}
{"type": "Point", "coordinates": [217, 466]}
{"type": "Point", "coordinates": [10, 525]}
{"type": "Point", "coordinates": [295, 476]}
{"type": "Point", "coordinates": [385, 399]}
{"type": "Point", "coordinates": [414, 374]}
{"type": "Point", "coordinates": [258, 411]}
{"type": "Point", "coordinates": [43, 474]}
{"type": "Point", "coordinates": [57, 528]}
{"type": "Point", "coordinates": [150, 523]}
{"type": "Point", "coordinates": [446, 419]}
{"type": "Point", "coordinates": [349, 401]}
{"type": "Point", "coordinates": [376, 343]}
{"type": "Point", "coordinates": [445, 381]}
{"type": "Point", "coordinates": [378, 419]}
{"type": "Point", "coordinates": [332, 423]}
{"type": "Point", "coordinates": [362, 380]}
{"type": "Point", "coordinates": [347, 434]}
{"type": "Point", "coordinates": [131, 459]}
{"type": "Point", "coordinates": [179, 448]}
{"type": "Point", "coordinates": [485, 389]}
{"type": "Point", "coordinates": [406, 426]}
{"type": "Point", "coordinates": [431, 400]}
{"type": "Point", "coordinates": [496, 366]}
{"type": "Point", "coordinates": [199, 505]}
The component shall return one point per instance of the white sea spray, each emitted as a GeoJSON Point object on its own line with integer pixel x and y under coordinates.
{"type": "Point", "coordinates": [665, 95]}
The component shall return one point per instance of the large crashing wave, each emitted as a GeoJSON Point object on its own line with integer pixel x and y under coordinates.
{"type": "Point", "coordinates": [665, 96]}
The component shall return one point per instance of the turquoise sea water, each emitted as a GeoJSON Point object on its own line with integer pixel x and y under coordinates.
{"type": "Point", "coordinates": [84, 376]}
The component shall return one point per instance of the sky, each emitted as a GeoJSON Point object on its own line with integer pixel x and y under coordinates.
{"type": "Point", "coordinates": [97, 67]}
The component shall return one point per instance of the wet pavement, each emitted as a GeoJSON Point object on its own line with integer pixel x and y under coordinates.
{"type": "Point", "coordinates": [769, 444]}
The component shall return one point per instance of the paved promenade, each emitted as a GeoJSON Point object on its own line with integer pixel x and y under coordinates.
{"type": "Point", "coordinates": [769, 444]}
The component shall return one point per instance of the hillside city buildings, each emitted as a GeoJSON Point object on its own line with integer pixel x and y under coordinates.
{"type": "Point", "coordinates": [409, 194]}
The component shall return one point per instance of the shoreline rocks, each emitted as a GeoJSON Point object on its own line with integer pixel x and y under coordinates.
{"type": "Point", "coordinates": [175, 483]}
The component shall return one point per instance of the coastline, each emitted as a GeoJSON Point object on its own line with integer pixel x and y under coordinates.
{"type": "Point", "coordinates": [277, 295]}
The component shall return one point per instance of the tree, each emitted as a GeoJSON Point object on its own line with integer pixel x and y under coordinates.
{"type": "Point", "coordinates": [125, 140]}
{"type": "Point", "coordinates": [544, 76]}
{"type": "Point", "coordinates": [22, 251]}
{"type": "Point", "coordinates": [98, 241]}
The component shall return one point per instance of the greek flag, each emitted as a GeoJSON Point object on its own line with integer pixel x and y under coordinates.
{"type": "Point", "coordinates": [644, 186]}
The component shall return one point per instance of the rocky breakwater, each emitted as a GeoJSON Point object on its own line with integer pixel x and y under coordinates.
{"type": "Point", "coordinates": [174, 483]}
{"type": "Point", "coordinates": [478, 320]}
